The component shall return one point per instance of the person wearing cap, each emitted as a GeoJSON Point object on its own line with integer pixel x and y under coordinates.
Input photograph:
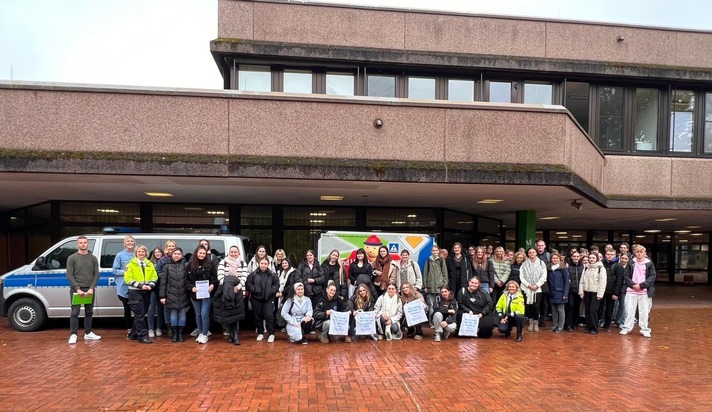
{"type": "Point", "coordinates": [298, 313]}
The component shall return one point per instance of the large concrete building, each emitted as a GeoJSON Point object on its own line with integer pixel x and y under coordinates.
{"type": "Point", "coordinates": [478, 129]}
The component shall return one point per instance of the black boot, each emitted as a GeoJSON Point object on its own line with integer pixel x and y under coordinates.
{"type": "Point", "coordinates": [174, 333]}
{"type": "Point", "coordinates": [236, 338]}
{"type": "Point", "coordinates": [231, 336]}
{"type": "Point", "coordinates": [179, 331]}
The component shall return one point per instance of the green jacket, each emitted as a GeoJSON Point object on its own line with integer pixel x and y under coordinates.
{"type": "Point", "coordinates": [435, 274]}
{"type": "Point", "coordinates": [517, 304]}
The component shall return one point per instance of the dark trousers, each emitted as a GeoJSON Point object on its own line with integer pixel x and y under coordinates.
{"type": "Point", "coordinates": [543, 306]}
{"type": "Point", "coordinates": [264, 313]}
{"type": "Point", "coordinates": [532, 311]}
{"type": "Point", "coordinates": [128, 321]}
{"type": "Point", "coordinates": [498, 291]}
{"type": "Point", "coordinates": [512, 322]}
{"type": "Point", "coordinates": [605, 310]}
{"type": "Point", "coordinates": [572, 310]}
{"type": "Point", "coordinates": [139, 301]}
{"type": "Point", "coordinates": [485, 328]}
{"type": "Point", "coordinates": [74, 316]}
{"type": "Point", "coordinates": [591, 304]}
{"type": "Point", "coordinates": [414, 330]}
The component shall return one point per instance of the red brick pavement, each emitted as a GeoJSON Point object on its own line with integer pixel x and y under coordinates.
{"type": "Point", "coordinates": [562, 372]}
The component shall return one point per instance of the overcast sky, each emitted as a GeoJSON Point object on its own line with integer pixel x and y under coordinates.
{"type": "Point", "coordinates": [166, 42]}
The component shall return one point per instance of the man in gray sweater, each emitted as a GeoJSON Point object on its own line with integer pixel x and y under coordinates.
{"type": "Point", "coordinates": [83, 276]}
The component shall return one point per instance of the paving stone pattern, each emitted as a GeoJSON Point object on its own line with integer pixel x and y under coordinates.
{"type": "Point", "coordinates": [547, 372]}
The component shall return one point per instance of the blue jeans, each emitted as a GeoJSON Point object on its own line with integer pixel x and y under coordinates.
{"type": "Point", "coordinates": [177, 316]}
{"type": "Point", "coordinates": [202, 314]}
{"type": "Point", "coordinates": [155, 308]}
{"type": "Point", "coordinates": [485, 287]}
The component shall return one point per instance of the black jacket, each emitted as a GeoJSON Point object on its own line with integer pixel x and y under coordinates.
{"type": "Point", "coordinates": [620, 273]}
{"type": "Point", "coordinates": [514, 273]}
{"type": "Point", "coordinates": [477, 302]}
{"type": "Point", "coordinates": [263, 285]}
{"type": "Point", "coordinates": [452, 270]}
{"type": "Point", "coordinates": [202, 273]}
{"type": "Point", "coordinates": [575, 272]}
{"type": "Point", "coordinates": [316, 273]}
{"type": "Point", "coordinates": [337, 303]}
{"type": "Point", "coordinates": [174, 285]}
{"type": "Point", "coordinates": [229, 306]}
{"type": "Point", "coordinates": [369, 305]}
{"type": "Point", "coordinates": [443, 306]}
{"type": "Point", "coordinates": [650, 275]}
{"type": "Point", "coordinates": [332, 273]}
{"type": "Point", "coordinates": [485, 274]}
{"type": "Point", "coordinates": [611, 280]}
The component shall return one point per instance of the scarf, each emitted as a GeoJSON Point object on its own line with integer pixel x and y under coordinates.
{"type": "Point", "coordinates": [554, 267]}
{"type": "Point", "coordinates": [233, 265]}
{"type": "Point", "coordinates": [532, 272]}
{"type": "Point", "coordinates": [384, 265]}
{"type": "Point", "coordinates": [390, 304]}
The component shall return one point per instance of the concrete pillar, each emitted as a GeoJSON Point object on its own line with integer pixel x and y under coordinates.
{"type": "Point", "coordinates": [526, 229]}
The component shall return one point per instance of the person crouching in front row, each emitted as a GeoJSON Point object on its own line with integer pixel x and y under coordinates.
{"type": "Point", "coordinates": [510, 308]}
{"type": "Point", "coordinates": [444, 318]}
{"type": "Point", "coordinates": [329, 302]}
{"type": "Point", "coordinates": [298, 312]}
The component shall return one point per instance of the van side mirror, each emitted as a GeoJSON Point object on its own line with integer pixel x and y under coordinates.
{"type": "Point", "coordinates": [40, 264]}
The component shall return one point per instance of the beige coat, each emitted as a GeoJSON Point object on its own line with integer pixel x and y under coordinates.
{"type": "Point", "coordinates": [593, 279]}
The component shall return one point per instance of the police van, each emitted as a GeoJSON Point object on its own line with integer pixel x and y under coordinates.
{"type": "Point", "coordinates": [39, 290]}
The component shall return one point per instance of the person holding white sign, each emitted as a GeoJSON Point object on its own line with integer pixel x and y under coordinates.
{"type": "Point", "coordinates": [361, 301]}
{"type": "Point", "coordinates": [409, 295]}
{"type": "Point", "coordinates": [389, 311]}
{"type": "Point", "coordinates": [202, 269]}
{"type": "Point", "coordinates": [298, 312]}
{"type": "Point", "coordinates": [475, 301]}
{"type": "Point", "coordinates": [329, 303]}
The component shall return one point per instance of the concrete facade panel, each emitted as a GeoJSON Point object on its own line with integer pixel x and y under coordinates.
{"type": "Point", "coordinates": [638, 176]}
{"type": "Point", "coordinates": [235, 19]}
{"type": "Point", "coordinates": [504, 137]}
{"type": "Point", "coordinates": [691, 178]}
{"type": "Point", "coordinates": [583, 158]}
{"type": "Point", "coordinates": [600, 43]}
{"type": "Point", "coordinates": [475, 35]}
{"type": "Point", "coordinates": [102, 122]}
{"type": "Point", "coordinates": [333, 26]}
{"type": "Point", "coordinates": [332, 131]}
{"type": "Point", "coordinates": [694, 49]}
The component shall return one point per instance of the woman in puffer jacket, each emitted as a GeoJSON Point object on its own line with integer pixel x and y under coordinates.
{"type": "Point", "coordinates": [591, 290]}
{"type": "Point", "coordinates": [229, 299]}
{"type": "Point", "coordinates": [174, 293]}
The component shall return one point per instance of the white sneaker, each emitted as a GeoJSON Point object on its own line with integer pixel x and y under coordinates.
{"type": "Point", "coordinates": [623, 332]}
{"type": "Point", "coordinates": [201, 338]}
{"type": "Point", "coordinates": [151, 334]}
{"type": "Point", "coordinates": [72, 338]}
{"type": "Point", "coordinates": [270, 339]}
{"type": "Point", "coordinates": [260, 337]}
{"type": "Point", "coordinates": [159, 332]}
{"type": "Point", "coordinates": [196, 332]}
{"type": "Point", "coordinates": [91, 336]}
{"type": "Point", "coordinates": [646, 334]}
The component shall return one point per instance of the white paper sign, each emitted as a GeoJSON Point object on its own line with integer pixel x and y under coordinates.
{"type": "Point", "coordinates": [469, 325]}
{"type": "Point", "coordinates": [415, 313]}
{"type": "Point", "coordinates": [365, 323]}
{"type": "Point", "coordinates": [339, 324]}
{"type": "Point", "coordinates": [203, 287]}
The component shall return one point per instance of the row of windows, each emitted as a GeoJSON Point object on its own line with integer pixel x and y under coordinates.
{"type": "Point", "coordinates": [618, 118]}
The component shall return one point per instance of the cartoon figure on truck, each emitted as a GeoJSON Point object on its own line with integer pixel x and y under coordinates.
{"type": "Point", "coordinates": [347, 243]}
{"type": "Point", "coordinates": [33, 293]}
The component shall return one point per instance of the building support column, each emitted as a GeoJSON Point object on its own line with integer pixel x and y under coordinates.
{"type": "Point", "coordinates": [525, 233]}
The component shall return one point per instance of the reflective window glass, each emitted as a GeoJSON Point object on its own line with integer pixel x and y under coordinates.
{"type": "Point", "coordinates": [500, 92]}
{"type": "Point", "coordinates": [535, 93]}
{"type": "Point", "coordinates": [708, 123]}
{"type": "Point", "coordinates": [297, 82]}
{"type": "Point", "coordinates": [682, 120]}
{"type": "Point", "coordinates": [610, 126]}
{"type": "Point", "coordinates": [381, 85]}
{"type": "Point", "coordinates": [254, 78]}
{"type": "Point", "coordinates": [576, 101]}
{"type": "Point", "coordinates": [646, 119]}
{"type": "Point", "coordinates": [421, 88]}
{"type": "Point", "coordinates": [340, 84]}
{"type": "Point", "coordinates": [461, 90]}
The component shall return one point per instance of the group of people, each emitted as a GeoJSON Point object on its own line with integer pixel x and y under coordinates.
{"type": "Point", "coordinates": [502, 289]}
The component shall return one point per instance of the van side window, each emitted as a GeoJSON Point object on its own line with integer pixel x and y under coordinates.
{"type": "Point", "coordinates": [109, 250]}
{"type": "Point", "coordinates": [57, 258]}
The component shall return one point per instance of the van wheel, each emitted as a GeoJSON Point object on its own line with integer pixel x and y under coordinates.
{"type": "Point", "coordinates": [27, 315]}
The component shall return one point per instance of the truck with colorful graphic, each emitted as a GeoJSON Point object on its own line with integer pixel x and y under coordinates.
{"type": "Point", "coordinates": [347, 243]}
